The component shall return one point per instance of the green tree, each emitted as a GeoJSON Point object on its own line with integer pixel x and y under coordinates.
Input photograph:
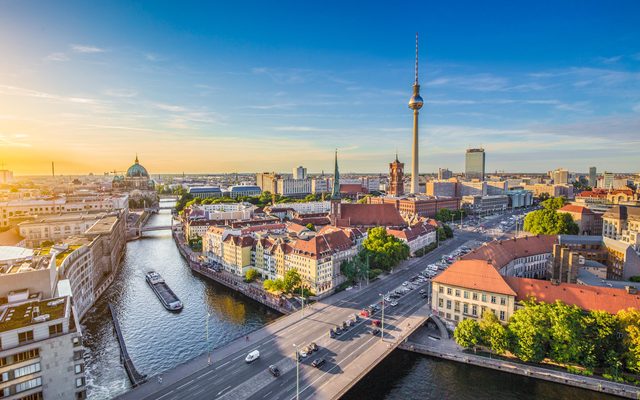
{"type": "Point", "coordinates": [384, 251]}
{"type": "Point", "coordinates": [529, 330]}
{"type": "Point", "coordinates": [554, 203]}
{"type": "Point", "coordinates": [543, 196]}
{"type": "Point", "coordinates": [448, 232]}
{"type": "Point", "coordinates": [599, 340]}
{"type": "Point", "coordinates": [310, 226]}
{"type": "Point", "coordinates": [291, 280]}
{"type": "Point", "coordinates": [630, 324]}
{"type": "Point", "coordinates": [442, 234]}
{"type": "Point", "coordinates": [468, 334]}
{"type": "Point", "coordinates": [566, 333]}
{"type": "Point", "coordinates": [276, 285]}
{"type": "Point", "coordinates": [444, 215]}
{"type": "Point", "coordinates": [549, 222]}
{"type": "Point", "coordinates": [365, 199]}
{"type": "Point", "coordinates": [494, 334]}
{"type": "Point", "coordinates": [251, 275]}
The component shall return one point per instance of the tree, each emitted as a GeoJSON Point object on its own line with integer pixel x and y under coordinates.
{"type": "Point", "coordinates": [566, 333]}
{"type": "Point", "coordinates": [276, 285]}
{"type": "Point", "coordinates": [365, 199]}
{"type": "Point", "coordinates": [443, 215]}
{"type": "Point", "coordinates": [543, 196]}
{"type": "Point", "coordinates": [599, 340]}
{"type": "Point", "coordinates": [310, 226]}
{"type": "Point", "coordinates": [549, 222]}
{"type": "Point", "coordinates": [468, 333]}
{"type": "Point", "coordinates": [630, 323]}
{"type": "Point", "coordinates": [494, 334]}
{"type": "Point", "coordinates": [291, 280]}
{"type": "Point", "coordinates": [442, 234]}
{"type": "Point", "coordinates": [251, 275]}
{"type": "Point", "coordinates": [448, 232]}
{"type": "Point", "coordinates": [529, 331]}
{"type": "Point", "coordinates": [384, 251]}
{"type": "Point", "coordinates": [554, 203]}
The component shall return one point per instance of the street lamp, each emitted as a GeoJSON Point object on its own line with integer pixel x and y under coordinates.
{"type": "Point", "coordinates": [297, 372]}
{"type": "Point", "coordinates": [302, 297]}
{"type": "Point", "coordinates": [382, 322]}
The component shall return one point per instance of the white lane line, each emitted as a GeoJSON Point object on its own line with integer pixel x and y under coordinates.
{"type": "Point", "coordinates": [184, 384]}
{"type": "Point", "coordinates": [164, 395]}
{"type": "Point", "coordinates": [224, 390]}
{"type": "Point", "coordinates": [199, 391]}
{"type": "Point", "coordinates": [267, 395]}
{"type": "Point", "coordinates": [240, 356]}
{"type": "Point", "coordinates": [222, 365]}
{"type": "Point", "coordinates": [206, 373]}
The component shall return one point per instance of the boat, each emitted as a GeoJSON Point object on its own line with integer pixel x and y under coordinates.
{"type": "Point", "coordinates": [168, 299]}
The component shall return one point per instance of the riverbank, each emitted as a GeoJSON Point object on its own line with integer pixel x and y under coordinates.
{"type": "Point", "coordinates": [232, 281]}
{"type": "Point", "coordinates": [451, 353]}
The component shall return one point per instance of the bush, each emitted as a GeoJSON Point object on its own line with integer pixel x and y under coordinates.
{"type": "Point", "coordinates": [635, 279]}
{"type": "Point", "coordinates": [374, 273]}
{"type": "Point", "coordinates": [251, 275]}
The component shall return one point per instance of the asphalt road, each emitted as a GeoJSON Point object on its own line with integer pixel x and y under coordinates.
{"type": "Point", "coordinates": [232, 378]}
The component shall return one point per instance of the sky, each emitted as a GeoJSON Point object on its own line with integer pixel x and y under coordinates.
{"type": "Point", "coordinates": [252, 86]}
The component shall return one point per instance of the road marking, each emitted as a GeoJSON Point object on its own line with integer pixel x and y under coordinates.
{"type": "Point", "coordinates": [267, 395]}
{"type": "Point", "coordinates": [222, 365]}
{"type": "Point", "coordinates": [184, 384]}
{"type": "Point", "coordinates": [240, 356]}
{"type": "Point", "coordinates": [224, 390]}
{"type": "Point", "coordinates": [166, 394]}
{"type": "Point", "coordinates": [199, 391]}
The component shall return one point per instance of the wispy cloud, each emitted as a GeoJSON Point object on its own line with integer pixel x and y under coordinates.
{"type": "Point", "coordinates": [121, 93]}
{"type": "Point", "coordinates": [57, 57]}
{"type": "Point", "coordinates": [14, 140]}
{"type": "Point", "coordinates": [609, 60]}
{"type": "Point", "coordinates": [301, 128]}
{"type": "Point", "coordinates": [277, 106]}
{"type": "Point", "coordinates": [81, 48]}
{"type": "Point", "coordinates": [18, 91]}
{"type": "Point", "coordinates": [169, 107]}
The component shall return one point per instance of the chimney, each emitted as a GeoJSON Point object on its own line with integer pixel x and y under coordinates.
{"type": "Point", "coordinates": [631, 289]}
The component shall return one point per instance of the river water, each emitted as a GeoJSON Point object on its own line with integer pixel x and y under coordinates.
{"type": "Point", "coordinates": [158, 340]}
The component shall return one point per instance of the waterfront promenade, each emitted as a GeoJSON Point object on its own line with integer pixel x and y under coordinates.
{"type": "Point", "coordinates": [426, 341]}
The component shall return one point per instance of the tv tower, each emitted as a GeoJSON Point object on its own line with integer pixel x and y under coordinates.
{"type": "Point", "coordinates": [415, 103]}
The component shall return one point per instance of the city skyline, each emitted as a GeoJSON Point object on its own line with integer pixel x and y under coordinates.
{"type": "Point", "coordinates": [212, 89]}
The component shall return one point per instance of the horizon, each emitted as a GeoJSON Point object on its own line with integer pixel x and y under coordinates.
{"type": "Point", "coordinates": [188, 88]}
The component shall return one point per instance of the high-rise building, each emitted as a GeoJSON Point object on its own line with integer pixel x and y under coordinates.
{"type": "Point", "coordinates": [299, 173]}
{"type": "Point", "coordinates": [396, 178]}
{"type": "Point", "coordinates": [560, 176]}
{"type": "Point", "coordinates": [593, 177]}
{"type": "Point", "coordinates": [474, 164]}
{"type": "Point", "coordinates": [415, 103]}
{"type": "Point", "coordinates": [607, 180]}
{"type": "Point", "coordinates": [444, 173]}
{"type": "Point", "coordinates": [6, 176]}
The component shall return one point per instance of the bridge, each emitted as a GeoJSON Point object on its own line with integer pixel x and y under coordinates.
{"type": "Point", "coordinates": [135, 377]}
{"type": "Point", "coordinates": [223, 373]}
{"type": "Point", "coordinates": [155, 228]}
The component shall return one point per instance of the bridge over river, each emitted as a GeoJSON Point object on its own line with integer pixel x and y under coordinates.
{"type": "Point", "coordinates": [223, 373]}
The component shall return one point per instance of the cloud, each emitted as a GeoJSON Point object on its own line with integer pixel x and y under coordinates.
{"type": "Point", "coordinates": [151, 57]}
{"type": "Point", "coordinates": [79, 48]}
{"type": "Point", "coordinates": [609, 60]}
{"type": "Point", "coordinates": [121, 93]}
{"type": "Point", "coordinates": [14, 140]}
{"type": "Point", "coordinates": [18, 91]}
{"type": "Point", "coordinates": [169, 107]}
{"type": "Point", "coordinates": [296, 128]}
{"type": "Point", "coordinates": [277, 106]}
{"type": "Point", "coordinates": [57, 57]}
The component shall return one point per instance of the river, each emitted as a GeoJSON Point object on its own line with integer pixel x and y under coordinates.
{"type": "Point", "coordinates": [158, 340]}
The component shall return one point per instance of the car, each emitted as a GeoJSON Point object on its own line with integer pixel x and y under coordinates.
{"type": "Point", "coordinates": [394, 303]}
{"type": "Point", "coordinates": [375, 332]}
{"type": "Point", "coordinates": [365, 313]}
{"type": "Point", "coordinates": [405, 283]}
{"type": "Point", "coordinates": [356, 317]}
{"type": "Point", "coordinates": [345, 326]}
{"type": "Point", "coordinates": [351, 323]}
{"type": "Point", "coordinates": [318, 362]}
{"type": "Point", "coordinates": [349, 288]}
{"type": "Point", "coordinates": [313, 346]}
{"type": "Point", "coordinates": [424, 295]}
{"type": "Point", "coordinates": [332, 334]}
{"type": "Point", "coordinates": [375, 322]}
{"type": "Point", "coordinates": [337, 330]}
{"type": "Point", "coordinates": [303, 353]}
{"type": "Point", "coordinates": [275, 371]}
{"type": "Point", "coordinates": [252, 356]}
{"type": "Point", "coordinates": [422, 291]}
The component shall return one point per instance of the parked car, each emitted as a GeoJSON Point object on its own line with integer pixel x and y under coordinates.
{"type": "Point", "coordinates": [375, 322]}
{"type": "Point", "coordinates": [275, 371]}
{"type": "Point", "coordinates": [251, 357]}
{"type": "Point", "coordinates": [318, 362]}
{"type": "Point", "coordinates": [332, 334]}
{"type": "Point", "coordinates": [304, 352]}
{"type": "Point", "coordinates": [394, 303]}
{"type": "Point", "coordinates": [375, 332]}
{"type": "Point", "coordinates": [313, 346]}
{"type": "Point", "coordinates": [365, 313]}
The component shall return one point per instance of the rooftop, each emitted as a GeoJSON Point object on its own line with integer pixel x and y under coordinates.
{"type": "Point", "coordinates": [8, 253]}
{"type": "Point", "coordinates": [474, 274]}
{"type": "Point", "coordinates": [19, 316]}
{"type": "Point", "coordinates": [502, 252]}
{"type": "Point", "coordinates": [104, 225]}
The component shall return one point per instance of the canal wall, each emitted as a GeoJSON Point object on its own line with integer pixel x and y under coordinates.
{"type": "Point", "coordinates": [135, 377]}
{"type": "Point", "coordinates": [233, 282]}
{"type": "Point", "coordinates": [565, 378]}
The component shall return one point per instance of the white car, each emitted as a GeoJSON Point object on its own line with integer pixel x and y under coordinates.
{"type": "Point", "coordinates": [394, 303]}
{"type": "Point", "coordinates": [251, 357]}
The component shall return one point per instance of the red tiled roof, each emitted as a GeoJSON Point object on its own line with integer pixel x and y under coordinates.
{"type": "Point", "coordinates": [352, 188]}
{"type": "Point", "coordinates": [370, 215]}
{"type": "Point", "coordinates": [262, 228]}
{"type": "Point", "coordinates": [412, 233]}
{"type": "Point", "coordinates": [242, 241]}
{"type": "Point", "coordinates": [475, 275]}
{"type": "Point", "coordinates": [501, 253]}
{"type": "Point", "coordinates": [296, 228]}
{"type": "Point", "coordinates": [317, 221]}
{"type": "Point", "coordinates": [323, 244]}
{"type": "Point", "coordinates": [586, 297]}
{"type": "Point", "coordinates": [571, 208]}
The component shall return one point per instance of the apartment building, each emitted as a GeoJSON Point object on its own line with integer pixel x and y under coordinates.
{"type": "Point", "coordinates": [622, 223]}
{"type": "Point", "coordinates": [41, 352]}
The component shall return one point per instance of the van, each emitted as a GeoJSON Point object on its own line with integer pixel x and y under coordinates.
{"type": "Point", "coordinates": [251, 357]}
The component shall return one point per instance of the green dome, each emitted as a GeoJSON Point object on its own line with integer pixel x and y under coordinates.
{"type": "Point", "coordinates": [137, 170]}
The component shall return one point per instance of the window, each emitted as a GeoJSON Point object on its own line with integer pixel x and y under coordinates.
{"type": "Point", "coordinates": [79, 368]}
{"type": "Point", "coordinates": [457, 292]}
{"type": "Point", "coordinates": [27, 370]}
{"type": "Point", "coordinates": [79, 382]}
{"type": "Point", "coordinates": [484, 297]}
{"type": "Point", "coordinates": [474, 310]}
{"type": "Point", "coordinates": [466, 294]}
{"type": "Point", "coordinates": [475, 296]}
{"type": "Point", "coordinates": [25, 336]}
{"type": "Point", "coordinates": [55, 329]}
{"type": "Point", "coordinates": [30, 384]}
{"type": "Point", "coordinates": [449, 290]}
{"type": "Point", "coordinates": [441, 289]}
{"type": "Point", "coordinates": [503, 301]}
{"type": "Point", "coordinates": [501, 315]}
{"type": "Point", "coordinates": [440, 303]}
{"type": "Point", "coordinates": [448, 304]}
{"type": "Point", "coordinates": [457, 306]}
{"type": "Point", "coordinates": [493, 299]}
{"type": "Point", "coordinates": [465, 308]}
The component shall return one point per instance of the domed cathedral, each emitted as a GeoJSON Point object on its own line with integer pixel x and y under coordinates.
{"type": "Point", "coordinates": [141, 187]}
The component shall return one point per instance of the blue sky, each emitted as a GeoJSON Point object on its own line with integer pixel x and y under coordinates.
{"type": "Point", "coordinates": [201, 87]}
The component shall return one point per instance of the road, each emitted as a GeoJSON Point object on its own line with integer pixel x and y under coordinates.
{"type": "Point", "coordinates": [229, 377]}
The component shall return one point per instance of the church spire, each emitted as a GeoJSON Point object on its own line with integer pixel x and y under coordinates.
{"type": "Point", "coordinates": [335, 193]}
{"type": "Point", "coordinates": [137, 159]}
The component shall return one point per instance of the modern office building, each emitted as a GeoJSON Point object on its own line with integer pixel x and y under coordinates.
{"type": "Point", "coordinates": [204, 192]}
{"type": "Point", "coordinates": [474, 165]}
{"type": "Point", "coordinates": [444, 173]}
{"type": "Point", "coordinates": [607, 180]}
{"type": "Point", "coordinates": [593, 177]}
{"type": "Point", "coordinates": [560, 176]}
{"type": "Point", "coordinates": [299, 173]}
{"type": "Point", "coordinates": [244, 191]}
